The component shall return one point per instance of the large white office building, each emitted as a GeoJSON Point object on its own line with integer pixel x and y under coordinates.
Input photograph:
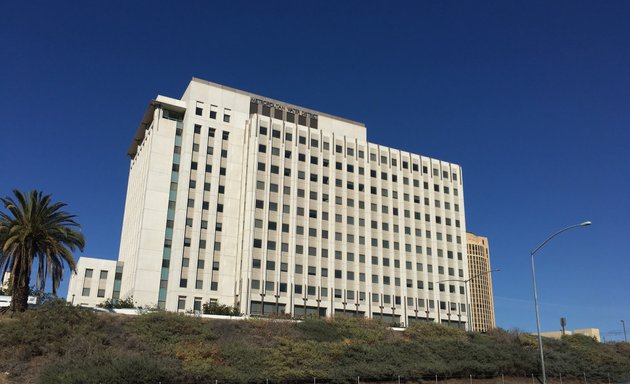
{"type": "Point", "coordinates": [276, 208]}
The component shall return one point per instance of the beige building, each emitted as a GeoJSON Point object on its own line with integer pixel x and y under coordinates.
{"type": "Point", "coordinates": [590, 332]}
{"type": "Point", "coordinates": [273, 207]}
{"type": "Point", "coordinates": [481, 297]}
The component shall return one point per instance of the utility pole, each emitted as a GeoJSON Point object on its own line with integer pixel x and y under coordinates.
{"type": "Point", "coordinates": [625, 337]}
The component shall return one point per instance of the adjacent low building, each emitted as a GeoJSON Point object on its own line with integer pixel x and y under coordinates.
{"type": "Point", "coordinates": [277, 208]}
{"type": "Point", "coordinates": [590, 332]}
{"type": "Point", "coordinates": [93, 283]}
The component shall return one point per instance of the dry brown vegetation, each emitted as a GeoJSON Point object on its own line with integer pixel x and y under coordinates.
{"type": "Point", "coordinates": [62, 344]}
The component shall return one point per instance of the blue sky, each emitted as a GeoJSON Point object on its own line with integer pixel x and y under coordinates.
{"type": "Point", "coordinates": [531, 98]}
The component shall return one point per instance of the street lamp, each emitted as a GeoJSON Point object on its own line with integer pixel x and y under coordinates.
{"type": "Point", "coordinates": [262, 303]}
{"type": "Point", "coordinates": [540, 345]}
{"type": "Point", "coordinates": [470, 326]}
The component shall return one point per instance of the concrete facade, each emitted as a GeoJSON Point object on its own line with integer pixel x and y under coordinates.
{"type": "Point", "coordinates": [93, 283]}
{"type": "Point", "coordinates": [272, 207]}
{"type": "Point", "coordinates": [481, 297]}
{"type": "Point", "coordinates": [590, 332]}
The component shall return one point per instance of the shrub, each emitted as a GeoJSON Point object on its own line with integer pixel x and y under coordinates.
{"type": "Point", "coordinates": [318, 330]}
{"type": "Point", "coordinates": [163, 329]}
{"type": "Point", "coordinates": [109, 369]}
{"type": "Point", "coordinates": [433, 331]}
{"type": "Point", "coordinates": [214, 308]}
{"type": "Point", "coordinates": [117, 303]}
{"type": "Point", "coordinates": [62, 343]}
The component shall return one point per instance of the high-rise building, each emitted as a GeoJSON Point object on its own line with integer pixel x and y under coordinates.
{"type": "Point", "coordinates": [276, 208]}
{"type": "Point", "coordinates": [482, 302]}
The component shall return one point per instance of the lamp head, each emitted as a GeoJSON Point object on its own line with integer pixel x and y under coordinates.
{"type": "Point", "coordinates": [585, 224]}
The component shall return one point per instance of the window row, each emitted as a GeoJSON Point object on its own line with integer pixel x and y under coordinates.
{"type": "Point", "coordinates": [350, 151]}
{"type": "Point", "coordinates": [313, 195]}
{"type": "Point", "coordinates": [275, 169]}
{"type": "Point", "coordinates": [270, 286]}
{"type": "Point", "coordinates": [213, 111]}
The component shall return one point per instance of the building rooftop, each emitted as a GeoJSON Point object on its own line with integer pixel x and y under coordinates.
{"type": "Point", "coordinates": [253, 95]}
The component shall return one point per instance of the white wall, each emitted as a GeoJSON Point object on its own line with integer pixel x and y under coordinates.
{"type": "Point", "coordinates": [78, 281]}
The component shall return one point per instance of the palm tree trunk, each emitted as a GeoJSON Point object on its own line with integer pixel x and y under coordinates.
{"type": "Point", "coordinates": [19, 301]}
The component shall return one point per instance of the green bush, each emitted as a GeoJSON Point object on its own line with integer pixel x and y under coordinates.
{"type": "Point", "coordinates": [118, 303]}
{"type": "Point", "coordinates": [214, 308]}
{"type": "Point", "coordinates": [162, 330]}
{"type": "Point", "coordinates": [318, 330]}
{"type": "Point", "coordinates": [107, 369]}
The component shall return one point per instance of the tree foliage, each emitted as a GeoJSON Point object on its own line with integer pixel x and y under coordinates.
{"type": "Point", "coordinates": [35, 231]}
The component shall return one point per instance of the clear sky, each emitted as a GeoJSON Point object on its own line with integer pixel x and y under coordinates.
{"type": "Point", "coordinates": [531, 98]}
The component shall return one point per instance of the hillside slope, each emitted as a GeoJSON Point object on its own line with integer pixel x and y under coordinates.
{"type": "Point", "coordinates": [63, 344]}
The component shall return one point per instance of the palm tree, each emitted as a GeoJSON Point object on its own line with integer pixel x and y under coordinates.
{"type": "Point", "coordinates": [36, 230]}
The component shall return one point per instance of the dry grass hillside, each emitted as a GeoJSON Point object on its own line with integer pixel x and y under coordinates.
{"type": "Point", "coordinates": [62, 344]}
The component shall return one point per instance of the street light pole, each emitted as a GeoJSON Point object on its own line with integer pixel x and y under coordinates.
{"type": "Point", "coordinates": [622, 323]}
{"type": "Point", "coordinates": [470, 326]}
{"type": "Point", "coordinates": [469, 309]}
{"type": "Point", "coordinates": [540, 345]}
